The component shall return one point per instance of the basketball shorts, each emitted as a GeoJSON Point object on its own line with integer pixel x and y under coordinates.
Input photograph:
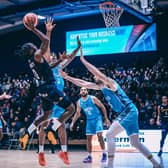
{"type": "Point", "coordinates": [164, 125]}
{"type": "Point", "coordinates": [50, 94]}
{"type": "Point", "coordinates": [57, 111]}
{"type": "Point", "coordinates": [94, 126]}
{"type": "Point", "coordinates": [129, 119]}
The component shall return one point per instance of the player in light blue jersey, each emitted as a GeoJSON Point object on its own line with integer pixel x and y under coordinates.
{"type": "Point", "coordinates": [2, 97]}
{"type": "Point", "coordinates": [94, 122]}
{"type": "Point", "coordinates": [58, 111]}
{"type": "Point", "coordinates": [128, 114]}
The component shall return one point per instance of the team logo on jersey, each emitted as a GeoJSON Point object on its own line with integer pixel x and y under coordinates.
{"type": "Point", "coordinates": [43, 94]}
{"type": "Point", "coordinates": [108, 98]}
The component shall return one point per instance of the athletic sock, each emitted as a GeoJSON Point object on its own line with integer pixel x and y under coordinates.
{"type": "Point", "coordinates": [41, 149]}
{"type": "Point", "coordinates": [64, 148]}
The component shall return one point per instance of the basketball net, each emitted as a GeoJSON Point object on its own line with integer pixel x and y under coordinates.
{"type": "Point", "coordinates": [111, 14]}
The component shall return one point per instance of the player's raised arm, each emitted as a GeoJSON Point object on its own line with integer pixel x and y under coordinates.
{"type": "Point", "coordinates": [91, 67]}
{"type": "Point", "coordinates": [44, 39]}
{"type": "Point", "coordinates": [62, 58]}
{"type": "Point", "coordinates": [72, 55]}
{"type": "Point", "coordinates": [49, 27]}
{"type": "Point", "coordinates": [79, 82]}
{"type": "Point", "coordinates": [97, 73]}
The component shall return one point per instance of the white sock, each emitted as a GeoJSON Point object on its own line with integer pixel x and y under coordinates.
{"type": "Point", "coordinates": [41, 149]}
{"type": "Point", "coordinates": [89, 154]}
{"type": "Point", "coordinates": [56, 125]}
{"type": "Point", "coordinates": [64, 148]}
{"type": "Point", "coordinates": [31, 128]}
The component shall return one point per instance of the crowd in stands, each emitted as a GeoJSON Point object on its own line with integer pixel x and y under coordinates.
{"type": "Point", "coordinates": [145, 86]}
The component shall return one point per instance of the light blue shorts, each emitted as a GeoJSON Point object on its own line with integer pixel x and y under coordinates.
{"type": "Point", "coordinates": [94, 125]}
{"type": "Point", "coordinates": [129, 119]}
{"type": "Point", "coordinates": [57, 111]}
{"type": "Point", "coordinates": [1, 124]}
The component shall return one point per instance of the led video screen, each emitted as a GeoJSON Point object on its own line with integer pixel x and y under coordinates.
{"type": "Point", "coordinates": [124, 39]}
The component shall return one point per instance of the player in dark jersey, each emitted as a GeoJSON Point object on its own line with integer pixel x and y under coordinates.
{"type": "Point", "coordinates": [162, 120]}
{"type": "Point", "coordinates": [57, 111]}
{"type": "Point", "coordinates": [128, 113]}
{"type": "Point", "coordinates": [45, 84]}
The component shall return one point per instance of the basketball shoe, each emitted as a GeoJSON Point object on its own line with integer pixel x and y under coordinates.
{"type": "Point", "coordinates": [64, 157]}
{"type": "Point", "coordinates": [41, 159]}
{"type": "Point", "coordinates": [104, 157]}
{"type": "Point", "coordinates": [88, 159]}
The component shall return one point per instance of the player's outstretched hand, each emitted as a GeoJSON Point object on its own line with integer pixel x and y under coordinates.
{"type": "Point", "coordinates": [63, 74]}
{"type": "Point", "coordinates": [49, 24]}
{"type": "Point", "coordinates": [63, 55]}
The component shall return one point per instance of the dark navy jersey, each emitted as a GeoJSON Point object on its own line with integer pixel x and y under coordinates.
{"type": "Point", "coordinates": [42, 72]}
{"type": "Point", "coordinates": [164, 113]}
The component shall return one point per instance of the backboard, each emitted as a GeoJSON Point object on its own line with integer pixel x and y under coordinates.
{"type": "Point", "coordinates": [143, 6]}
{"type": "Point", "coordinates": [144, 9]}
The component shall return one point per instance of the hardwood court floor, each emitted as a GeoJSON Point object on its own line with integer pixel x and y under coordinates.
{"type": "Point", "coordinates": [28, 159]}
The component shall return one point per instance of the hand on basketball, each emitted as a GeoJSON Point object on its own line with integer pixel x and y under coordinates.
{"type": "Point", "coordinates": [49, 24]}
{"type": "Point", "coordinates": [71, 126]}
{"type": "Point", "coordinates": [30, 21]}
{"type": "Point", "coordinates": [30, 26]}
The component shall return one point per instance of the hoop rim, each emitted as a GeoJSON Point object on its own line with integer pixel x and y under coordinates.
{"type": "Point", "coordinates": [101, 6]}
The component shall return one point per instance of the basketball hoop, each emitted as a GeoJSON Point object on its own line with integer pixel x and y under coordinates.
{"type": "Point", "coordinates": [111, 14]}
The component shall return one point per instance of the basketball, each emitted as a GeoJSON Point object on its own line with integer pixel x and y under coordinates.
{"type": "Point", "coordinates": [30, 18]}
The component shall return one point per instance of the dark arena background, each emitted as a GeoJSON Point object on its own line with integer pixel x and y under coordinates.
{"type": "Point", "coordinates": [134, 53]}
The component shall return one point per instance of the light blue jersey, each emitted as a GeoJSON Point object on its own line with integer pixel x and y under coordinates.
{"type": "Point", "coordinates": [59, 81]}
{"type": "Point", "coordinates": [118, 100]}
{"type": "Point", "coordinates": [94, 121]}
{"type": "Point", "coordinates": [128, 113]}
{"type": "Point", "coordinates": [1, 124]}
{"type": "Point", "coordinates": [58, 78]}
{"type": "Point", "coordinates": [90, 109]}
